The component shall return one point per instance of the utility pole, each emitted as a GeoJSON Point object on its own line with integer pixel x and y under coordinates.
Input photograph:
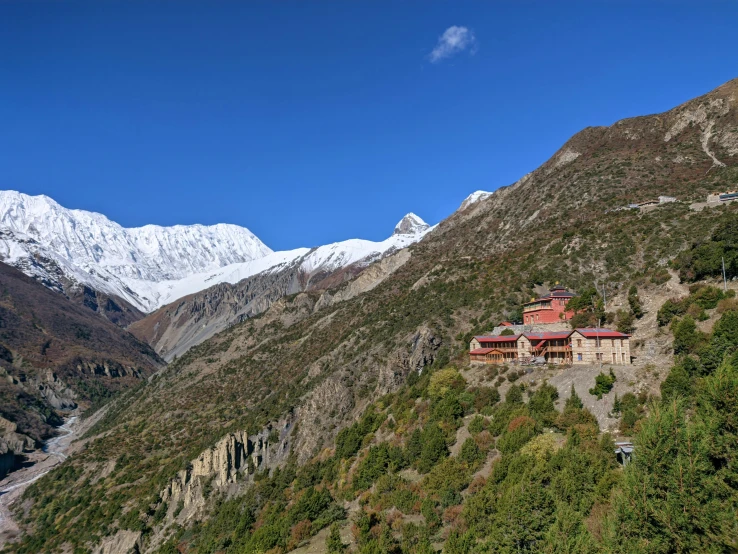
{"type": "Point", "coordinates": [725, 281]}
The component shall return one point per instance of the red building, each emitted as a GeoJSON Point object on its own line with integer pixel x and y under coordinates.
{"type": "Point", "coordinates": [550, 308]}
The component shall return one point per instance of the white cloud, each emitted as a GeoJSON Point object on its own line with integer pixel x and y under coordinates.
{"type": "Point", "coordinates": [454, 40]}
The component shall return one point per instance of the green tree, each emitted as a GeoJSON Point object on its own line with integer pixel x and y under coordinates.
{"type": "Point", "coordinates": [333, 543]}
{"type": "Point", "coordinates": [574, 402]}
{"type": "Point", "coordinates": [686, 336]}
{"type": "Point", "coordinates": [470, 452]}
{"type": "Point", "coordinates": [444, 381]}
{"type": "Point", "coordinates": [634, 302]}
{"type": "Point", "coordinates": [514, 395]}
{"type": "Point", "coordinates": [603, 385]}
{"type": "Point", "coordinates": [667, 502]}
{"type": "Point", "coordinates": [434, 447]}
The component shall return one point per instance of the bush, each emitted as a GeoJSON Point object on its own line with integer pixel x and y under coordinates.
{"type": "Point", "coordinates": [471, 453]}
{"type": "Point", "coordinates": [686, 336]}
{"type": "Point", "coordinates": [670, 309]}
{"type": "Point", "coordinates": [603, 385]}
{"type": "Point", "coordinates": [477, 424]}
{"type": "Point", "coordinates": [444, 381]}
{"type": "Point", "coordinates": [433, 447]}
{"type": "Point", "coordinates": [519, 432]}
{"type": "Point", "coordinates": [334, 544]}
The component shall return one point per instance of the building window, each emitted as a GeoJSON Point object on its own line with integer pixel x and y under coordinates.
{"type": "Point", "coordinates": [579, 357]}
{"type": "Point", "coordinates": [579, 343]}
{"type": "Point", "coordinates": [613, 343]}
{"type": "Point", "coordinates": [623, 356]}
{"type": "Point", "coordinates": [614, 358]}
{"type": "Point", "coordinates": [599, 356]}
{"type": "Point", "coordinates": [622, 343]}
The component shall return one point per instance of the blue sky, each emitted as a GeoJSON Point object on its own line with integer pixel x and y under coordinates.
{"type": "Point", "coordinates": [311, 122]}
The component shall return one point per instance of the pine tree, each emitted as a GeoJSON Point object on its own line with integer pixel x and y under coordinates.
{"type": "Point", "coordinates": [573, 402]}
{"type": "Point", "coordinates": [667, 502]}
{"type": "Point", "coordinates": [334, 544]}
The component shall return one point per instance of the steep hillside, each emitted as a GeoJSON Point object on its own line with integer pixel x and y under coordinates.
{"type": "Point", "coordinates": [176, 327]}
{"type": "Point", "coordinates": [287, 381]}
{"type": "Point", "coordinates": [56, 355]}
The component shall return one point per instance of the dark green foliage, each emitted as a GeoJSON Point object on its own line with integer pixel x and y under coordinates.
{"type": "Point", "coordinates": [350, 438]}
{"type": "Point", "coordinates": [541, 404]}
{"type": "Point", "coordinates": [477, 424]}
{"type": "Point", "coordinates": [670, 309]}
{"type": "Point", "coordinates": [632, 410]}
{"type": "Point", "coordinates": [518, 433]}
{"type": "Point", "coordinates": [514, 395]}
{"type": "Point", "coordinates": [485, 397]}
{"type": "Point", "coordinates": [379, 460]}
{"type": "Point", "coordinates": [677, 384]}
{"type": "Point", "coordinates": [574, 402]}
{"type": "Point", "coordinates": [686, 335]}
{"type": "Point", "coordinates": [706, 259]}
{"type": "Point", "coordinates": [333, 543]}
{"type": "Point", "coordinates": [603, 385]}
{"type": "Point", "coordinates": [433, 447]}
{"type": "Point", "coordinates": [625, 321]}
{"type": "Point", "coordinates": [507, 332]}
{"type": "Point", "coordinates": [471, 453]}
{"type": "Point", "coordinates": [634, 302]}
{"type": "Point", "coordinates": [668, 502]}
{"type": "Point", "coordinates": [448, 409]}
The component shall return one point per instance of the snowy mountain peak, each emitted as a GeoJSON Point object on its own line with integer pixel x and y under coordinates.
{"type": "Point", "coordinates": [411, 224]}
{"type": "Point", "coordinates": [45, 240]}
{"type": "Point", "coordinates": [474, 197]}
{"type": "Point", "coordinates": [150, 266]}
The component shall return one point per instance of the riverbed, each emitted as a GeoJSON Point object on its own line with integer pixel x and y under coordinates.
{"type": "Point", "coordinates": [54, 452]}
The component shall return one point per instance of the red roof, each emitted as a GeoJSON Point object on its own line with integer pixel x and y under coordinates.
{"type": "Point", "coordinates": [592, 333]}
{"type": "Point", "coordinates": [506, 324]}
{"type": "Point", "coordinates": [499, 338]}
{"type": "Point", "coordinates": [549, 335]}
{"type": "Point", "coordinates": [483, 351]}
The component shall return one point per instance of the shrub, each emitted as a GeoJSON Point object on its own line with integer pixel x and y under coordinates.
{"type": "Point", "coordinates": [433, 447]}
{"type": "Point", "coordinates": [477, 424]}
{"type": "Point", "coordinates": [471, 453]}
{"type": "Point", "coordinates": [445, 380]}
{"type": "Point", "coordinates": [519, 432]}
{"type": "Point", "coordinates": [603, 385]}
{"type": "Point", "coordinates": [686, 336]}
{"type": "Point", "coordinates": [670, 309]}
{"type": "Point", "coordinates": [333, 543]}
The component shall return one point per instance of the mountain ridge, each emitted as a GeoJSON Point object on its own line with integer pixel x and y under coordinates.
{"type": "Point", "coordinates": [149, 266]}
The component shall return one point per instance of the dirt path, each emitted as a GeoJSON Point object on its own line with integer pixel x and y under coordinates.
{"type": "Point", "coordinates": [54, 452]}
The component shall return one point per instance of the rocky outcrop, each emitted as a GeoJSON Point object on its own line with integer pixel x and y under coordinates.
{"type": "Point", "coordinates": [231, 463]}
{"type": "Point", "coordinates": [123, 542]}
{"type": "Point", "coordinates": [11, 445]}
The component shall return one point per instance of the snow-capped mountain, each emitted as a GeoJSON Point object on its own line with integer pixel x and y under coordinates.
{"type": "Point", "coordinates": [150, 266]}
